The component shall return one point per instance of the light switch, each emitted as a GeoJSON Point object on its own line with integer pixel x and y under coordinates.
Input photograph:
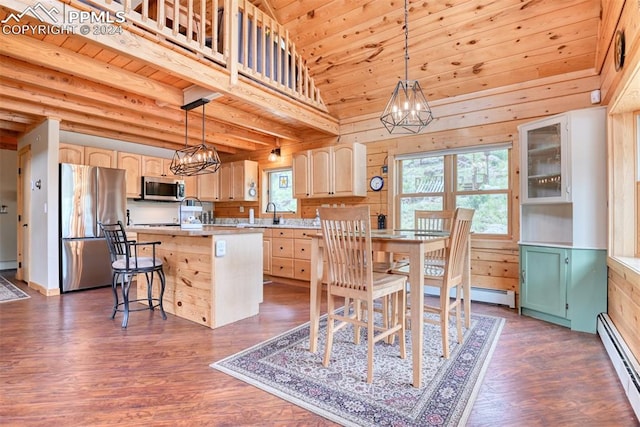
{"type": "Point", "coordinates": [221, 248]}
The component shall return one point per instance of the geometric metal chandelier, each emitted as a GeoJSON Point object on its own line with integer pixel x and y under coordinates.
{"type": "Point", "coordinates": [198, 159]}
{"type": "Point", "coordinates": [407, 111]}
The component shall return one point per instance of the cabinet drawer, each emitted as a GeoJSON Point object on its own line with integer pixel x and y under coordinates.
{"type": "Point", "coordinates": [282, 267]}
{"type": "Point", "coordinates": [282, 232]}
{"type": "Point", "coordinates": [282, 247]}
{"type": "Point", "coordinates": [302, 248]}
{"type": "Point", "coordinates": [302, 269]}
{"type": "Point", "coordinates": [304, 233]}
{"type": "Point", "coordinates": [266, 233]}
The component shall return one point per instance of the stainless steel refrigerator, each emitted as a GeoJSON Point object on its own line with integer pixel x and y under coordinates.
{"type": "Point", "coordinates": [88, 195]}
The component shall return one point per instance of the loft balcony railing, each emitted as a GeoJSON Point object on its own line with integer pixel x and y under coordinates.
{"type": "Point", "coordinates": [231, 33]}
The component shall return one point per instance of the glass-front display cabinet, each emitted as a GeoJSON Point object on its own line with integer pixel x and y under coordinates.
{"type": "Point", "coordinates": [545, 162]}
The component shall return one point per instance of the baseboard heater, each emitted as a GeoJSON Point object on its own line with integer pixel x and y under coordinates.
{"type": "Point", "coordinates": [481, 295]}
{"type": "Point", "coordinates": [623, 360]}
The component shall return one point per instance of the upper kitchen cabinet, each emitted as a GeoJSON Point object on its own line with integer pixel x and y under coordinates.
{"type": "Point", "coordinates": [100, 157]}
{"type": "Point", "coordinates": [69, 153]}
{"type": "Point", "coordinates": [238, 181]}
{"type": "Point", "coordinates": [209, 187]}
{"type": "Point", "coordinates": [563, 187]}
{"type": "Point", "coordinates": [336, 171]}
{"type": "Point", "coordinates": [155, 166]}
{"type": "Point", "coordinates": [91, 156]}
{"type": "Point", "coordinates": [132, 163]}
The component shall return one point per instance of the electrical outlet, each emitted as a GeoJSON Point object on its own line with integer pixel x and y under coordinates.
{"type": "Point", "coordinates": [241, 209]}
{"type": "Point", "coordinates": [221, 248]}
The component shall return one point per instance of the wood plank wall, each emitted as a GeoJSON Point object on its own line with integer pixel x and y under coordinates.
{"type": "Point", "coordinates": [487, 117]}
{"type": "Point", "coordinates": [621, 91]}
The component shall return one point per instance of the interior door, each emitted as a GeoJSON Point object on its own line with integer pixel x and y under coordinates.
{"type": "Point", "coordinates": [24, 207]}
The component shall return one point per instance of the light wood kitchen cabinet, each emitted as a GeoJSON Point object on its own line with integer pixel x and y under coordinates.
{"type": "Point", "coordinates": [190, 184]}
{"type": "Point", "coordinates": [238, 181]}
{"type": "Point", "coordinates": [100, 157]}
{"type": "Point", "coordinates": [132, 163]}
{"type": "Point", "coordinates": [300, 166]}
{"type": "Point", "coordinates": [69, 153]}
{"type": "Point", "coordinates": [209, 187]}
{"type": "Point", "coordinates": [302, 254]}
{"type": "Point", "coordinates": [266, 251]}
{"type": "Point", "coordinates": [291, 253]}
{"type": "Point", "coordinates": [154, 166]}
{"type": "Point", "coordinates": [282, 252]}
{"type": "Point", "coordinates": [336, 171]}
{"type": "Point", "coordinates": [90, 156]}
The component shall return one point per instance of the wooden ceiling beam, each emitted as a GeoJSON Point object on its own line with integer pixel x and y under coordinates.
{"type": "Point", "coordinates": [172, 120]}
{"type": "Point", "coordinates": [43, 107]}
{"type": "Point", "coordinates": [242, 124]}
{"type": "Point", "coordinates": [135, 138]}
{"type": "Point", "coordinates": [47, 55]}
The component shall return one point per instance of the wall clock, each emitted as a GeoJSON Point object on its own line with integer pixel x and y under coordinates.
{"type": "Point", "coordinates": [376, 183]}
{"type": "Point", "coordinates": [619, 50]}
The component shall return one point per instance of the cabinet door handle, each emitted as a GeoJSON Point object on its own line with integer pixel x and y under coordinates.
{"type": "Point", "coordinates": [524, 276]}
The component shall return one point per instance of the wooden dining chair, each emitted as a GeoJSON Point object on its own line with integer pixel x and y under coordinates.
{"type": "Point", "coordinates": [447, 273]}
{"type": "Point", "coordinates": [434, 222]}
{"type": "Point", "coordinates": [347, 244]}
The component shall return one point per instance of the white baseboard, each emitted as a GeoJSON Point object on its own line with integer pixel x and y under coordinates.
{"type": "Point", "coordinates": [8, 265]}
{"type": "Point", "coordinates": [622, 359]}
{"type": "Point", "coordinates": [481, 295]}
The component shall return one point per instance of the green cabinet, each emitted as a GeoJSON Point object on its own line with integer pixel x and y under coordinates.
{"type": "Point", "coordinates": [566, 286]}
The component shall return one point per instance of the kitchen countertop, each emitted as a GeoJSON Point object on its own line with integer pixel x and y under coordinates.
{"type": "Point", "coordinates": [247, 225]}
{"type": "Point", "coordinates": [207, 230]}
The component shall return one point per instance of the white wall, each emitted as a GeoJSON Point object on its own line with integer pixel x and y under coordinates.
{"type": "Point", "coordinates": [43, 217]}
{"type": "Point", "coordinates": [8, 220]}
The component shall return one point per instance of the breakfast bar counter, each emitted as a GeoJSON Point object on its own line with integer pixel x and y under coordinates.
{"type": "Point", "coordinates": [213, 275]}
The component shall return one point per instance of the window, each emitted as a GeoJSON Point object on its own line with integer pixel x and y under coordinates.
{"type": "Point", "coordinates": [280, 190]}
{"type": "Point", "coordinates": [476, 178]}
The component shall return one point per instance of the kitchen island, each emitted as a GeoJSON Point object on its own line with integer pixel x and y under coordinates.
{"type": "Point", "coordinates": [213, 275]}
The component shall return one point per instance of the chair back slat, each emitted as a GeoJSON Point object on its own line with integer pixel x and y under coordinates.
{"type": "Point", "coordinates": [116, 240]}
{"type": "Point", "coordinates": [458, 242]}
{"type": "Point", "coordinates": [347, 241]}
{"type": "Point", "coordinates": [434, 221]}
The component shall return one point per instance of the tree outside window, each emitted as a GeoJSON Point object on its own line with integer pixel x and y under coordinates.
{"type": "Point", "coordinates": [472, 179]}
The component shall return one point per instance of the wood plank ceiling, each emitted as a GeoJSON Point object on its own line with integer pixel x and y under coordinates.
{"type": "Point", "coordinates": [354, 50]}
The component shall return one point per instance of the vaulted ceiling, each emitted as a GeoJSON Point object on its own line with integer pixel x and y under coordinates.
{"type": "Point", "coordinates": [354, 51]}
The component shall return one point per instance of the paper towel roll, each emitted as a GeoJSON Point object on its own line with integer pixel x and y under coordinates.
{"type": "Point", "coordinates": [251, 217]}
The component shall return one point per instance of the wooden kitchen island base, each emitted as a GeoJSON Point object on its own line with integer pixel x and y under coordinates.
{"type": "Point", "coordinates": [202, 287]}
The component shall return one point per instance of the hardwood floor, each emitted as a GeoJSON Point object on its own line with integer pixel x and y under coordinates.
{"type": "Point", "coordinates": [64, 362]}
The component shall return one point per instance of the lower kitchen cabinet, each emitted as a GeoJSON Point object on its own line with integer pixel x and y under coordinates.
{"type": "Point", "coordinates": [566, 286]}
{"type": "Point", "coordinates": [266, 251]}
{"type": "Point", "coordinates": [291, 253]}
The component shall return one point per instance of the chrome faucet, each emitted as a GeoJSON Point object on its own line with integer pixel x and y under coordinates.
{"type": "Point", "coordinates": [275, 220]}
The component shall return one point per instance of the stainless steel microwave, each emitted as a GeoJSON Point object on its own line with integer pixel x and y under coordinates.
{"type": "Point", "coordinates": [163, 188]}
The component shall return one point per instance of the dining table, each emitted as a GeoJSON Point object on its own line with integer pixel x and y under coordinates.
{"type": "Point", "coordinates": [413, 245]}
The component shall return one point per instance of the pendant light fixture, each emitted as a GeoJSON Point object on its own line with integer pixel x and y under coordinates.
{"type": "Point", "coordinates": [407, 111]}
{"type": "Point", "coordinates": [198, 159]}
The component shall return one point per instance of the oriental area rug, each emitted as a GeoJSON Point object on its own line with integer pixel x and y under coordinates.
{"type": "Point", "coordinates": [284, 367]}
{"type": "Point", "coordinates": [10, 292]}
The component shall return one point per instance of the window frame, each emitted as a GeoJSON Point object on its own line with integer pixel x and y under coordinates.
{"type": "Point", "coordinates": [264, 193]}
{"type": "Point", "coordinates": [450, 187]}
